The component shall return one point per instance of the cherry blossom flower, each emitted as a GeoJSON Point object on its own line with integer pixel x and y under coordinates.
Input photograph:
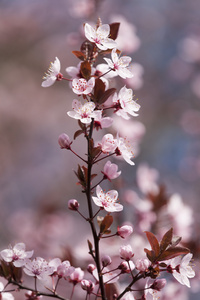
{"type": "Point", "coordinates": [107, 200]}
{"type": "Point", "coordinates": [52, 74]}
{"type": "Point", "coordinates": [99, 36]}
{"type": "Point", "coordinates": [183, 270]}
{"type": "Point", "coordinates": [82, 86]}
{"type": "Point", "coordinates": [62, 269]}
{"type": "Point", "coordinates": [124, 103]}
{"type": "Point", "coordinates": [38, 267]}
{"type": "Point", "coordinates": [83, 112]}
{"type": "Point", "coordinates": [124, 231]}
{"type": "Point", "coordinates": [76, 276]}
{"type": "Point", "coordinates": [142, 264]}
{"type": "Point", "coordinates": [147, 179]}
{"type": "Point", "coordinates": [119, 65]}
{"type": "Point", "coordinates": [5, 295]}
{"type": "Point", "coordinates": [158, 284]}
{"type": "Point", "coordinates": [152, 289]}
{"type": "Point", "coordinates": [110, 171]}
{"type": "Point", "coordinates": [126, 252]}
{"type": "Point", "coordinates": [125, 148]}
{"type": "Point", "coordinates": [102, 122]}
{"type": "Point", "coordinates": [64, 141]}
{"type": "Point", "coordinates": [17, 255]}
{"type": "Point", "coordinates": [128, 296]}
{"type": "Point", "coordinates": [108, 143]}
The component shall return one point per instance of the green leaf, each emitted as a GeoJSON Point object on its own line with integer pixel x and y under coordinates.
{"type": "Point", "coordinates": [153, 242]}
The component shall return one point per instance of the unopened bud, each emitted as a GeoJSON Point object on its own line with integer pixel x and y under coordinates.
{"type": "Point", "coordinates": [64, 141]}
{"type": "Point", "coordinates": [158, 284]}
{"type": "Point", "coordinates": [106, 260]}
{"type": "Point", "coordinates": [126, 267]}
{"type": "Point", "coordinates": [124, 231]}
{"type": "Point", "coordinates": [73, 204]}
{"type": "Point", "coordinates": [91, 268]}
{"type": "Point", "coordinates": [87, 285]}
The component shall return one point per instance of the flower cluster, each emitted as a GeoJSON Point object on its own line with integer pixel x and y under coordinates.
{"type": "Point", "coordinates": [93, 109]}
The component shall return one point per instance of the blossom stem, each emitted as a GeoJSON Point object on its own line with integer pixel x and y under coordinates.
{"type": "Point", "coordinates": [130, 270]}
{"type": "Point", "coordinates": [78, 155]}
{"type": "Point", "coordinates": [98, 183]}
{"type": "Point", "coordinates": [104, 157]}
{"type": "Point", "coordinates": [91, 214]}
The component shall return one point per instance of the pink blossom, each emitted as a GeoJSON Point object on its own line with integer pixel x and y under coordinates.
{"type": "Point", "coordinates": [126, 252]}
{"type": "Point", "coordinates": [17, 255]}
{"type": "Point", "coordinates": [99, 36]}
{"type": "Point", "coordinates": [74, 72]}
{"type": "Point", "coordinates": [38, 267]}
{"type": "Point", "coordinates": [126, 266]}
{"type": "Point", "coordinates": [62, 269]}
{"type": "Point", "coordinates": [110, 171]}
{"type": "Point", "coordinates": [119, 65]}
{"type": "Point", "coordinates": [84, 112]}
{"type": "Point", "coordinates": [128, 296]}
{"type": "Point", "coordinates": [73, 204]}
{"type": "Point", "coordinates": [5, 295]}
{"type": "Point", "coordinates": [136, 82]}
{"type": "Point", "coordinates": [158, 284]}
{"type": "Point", "coordinates": [106, 260]}
{"type": "Point", "coordinates": [52, 74]}
{"type": "Point", "coordinates": [142, 264]}
{"type": "Point", "coordinates": [82, 86]}
{"type": "Point", "coordinates": [125, 148]}
{"type": "Point", "coordinates": [76, 276]}
{"type": "Point", "coordinates": [108, 143]}
{"type": "Point", "coordinates": [124, 231]}
{"type": "Point", "coordinates": [102, 122]}
{"type": "Point", "coordinates": [147, 179]}
{"type": "Point", "coordinates": [107, 200]}
{"type": "Point", "coordinates": [182, 269]}
{"type": "Point", "coordinates": [87, 285]}
{"type": "Point", "coordinates": [124, 103]}
{"type": "Point", "coordinates": [91, 268]}
{"type": "Point", "coordinates": [64, 141]}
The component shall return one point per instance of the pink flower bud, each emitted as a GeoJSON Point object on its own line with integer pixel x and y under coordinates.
{"type": "Point", "coordinates": [73, 204]}
{"type": "Point", "coordinates": [87, 285]}
{"type": "Point", "coordinates": [91, 268]}
{"type": "Point", "coordinates": [126, 252]}
{"type": "Point", "coordinates": [126, 267]}
{"type": "Point", "coordinates": [124, 231]}
{"type": "Point", "coordinates": [142, 264]}
{"type": "Point", "coordinates": [158, 284]}
{"type": "Point", "coordinates": [76, 276]}
{"type": "Point", "coordinates": [106, 260]}
{"type": "Point", "coordinates": [64, 141]}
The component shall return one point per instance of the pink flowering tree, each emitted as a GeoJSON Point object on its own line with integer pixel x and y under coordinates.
{"type": "Point", "coordinates": [93, 107]}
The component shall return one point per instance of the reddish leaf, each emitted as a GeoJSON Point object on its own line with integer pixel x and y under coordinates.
{"type": "Point", "coordinates": [175, 240]}
{"type": "Point", "coordinates": [166, 240]}
{"type": "Point", "coordinates": [81, 125]}
{"type": "Point", "coordinates": [111, 289]}
{"type": "Point", "coordinates": [106, 223]}
{"type": "Point", "coordinates": [93, 176]}
{"type": "Point", "coordinates": [99, 89]}
{"type": "Point", "coordinates": [90, 246]}
{"type": "Point", "coordinates": [153, 242]}
{"type": "Point", "coordinates": [79, 55]}
{"type": "Point", "coordinates": [77, 133]}
{"type": "Point", "coordinates": [106, 95]}
{"type": "Point", "coordinates": [150, 254]}
{"type": "Point", "coordinates": [86, 70]}
{"type": "Point", "coordinates": [173, 252]}
{"type": "Point", "coordinates": [114, 28]}
{"type": "Point", "coordinates": [81, 175]}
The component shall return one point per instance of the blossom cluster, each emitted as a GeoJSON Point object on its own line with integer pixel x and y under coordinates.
{"type": "Point", "coordinates": [97, 100]}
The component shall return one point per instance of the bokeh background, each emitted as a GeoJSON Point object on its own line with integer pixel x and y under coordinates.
{"type": "Point", "coordinates": [37, 180]}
